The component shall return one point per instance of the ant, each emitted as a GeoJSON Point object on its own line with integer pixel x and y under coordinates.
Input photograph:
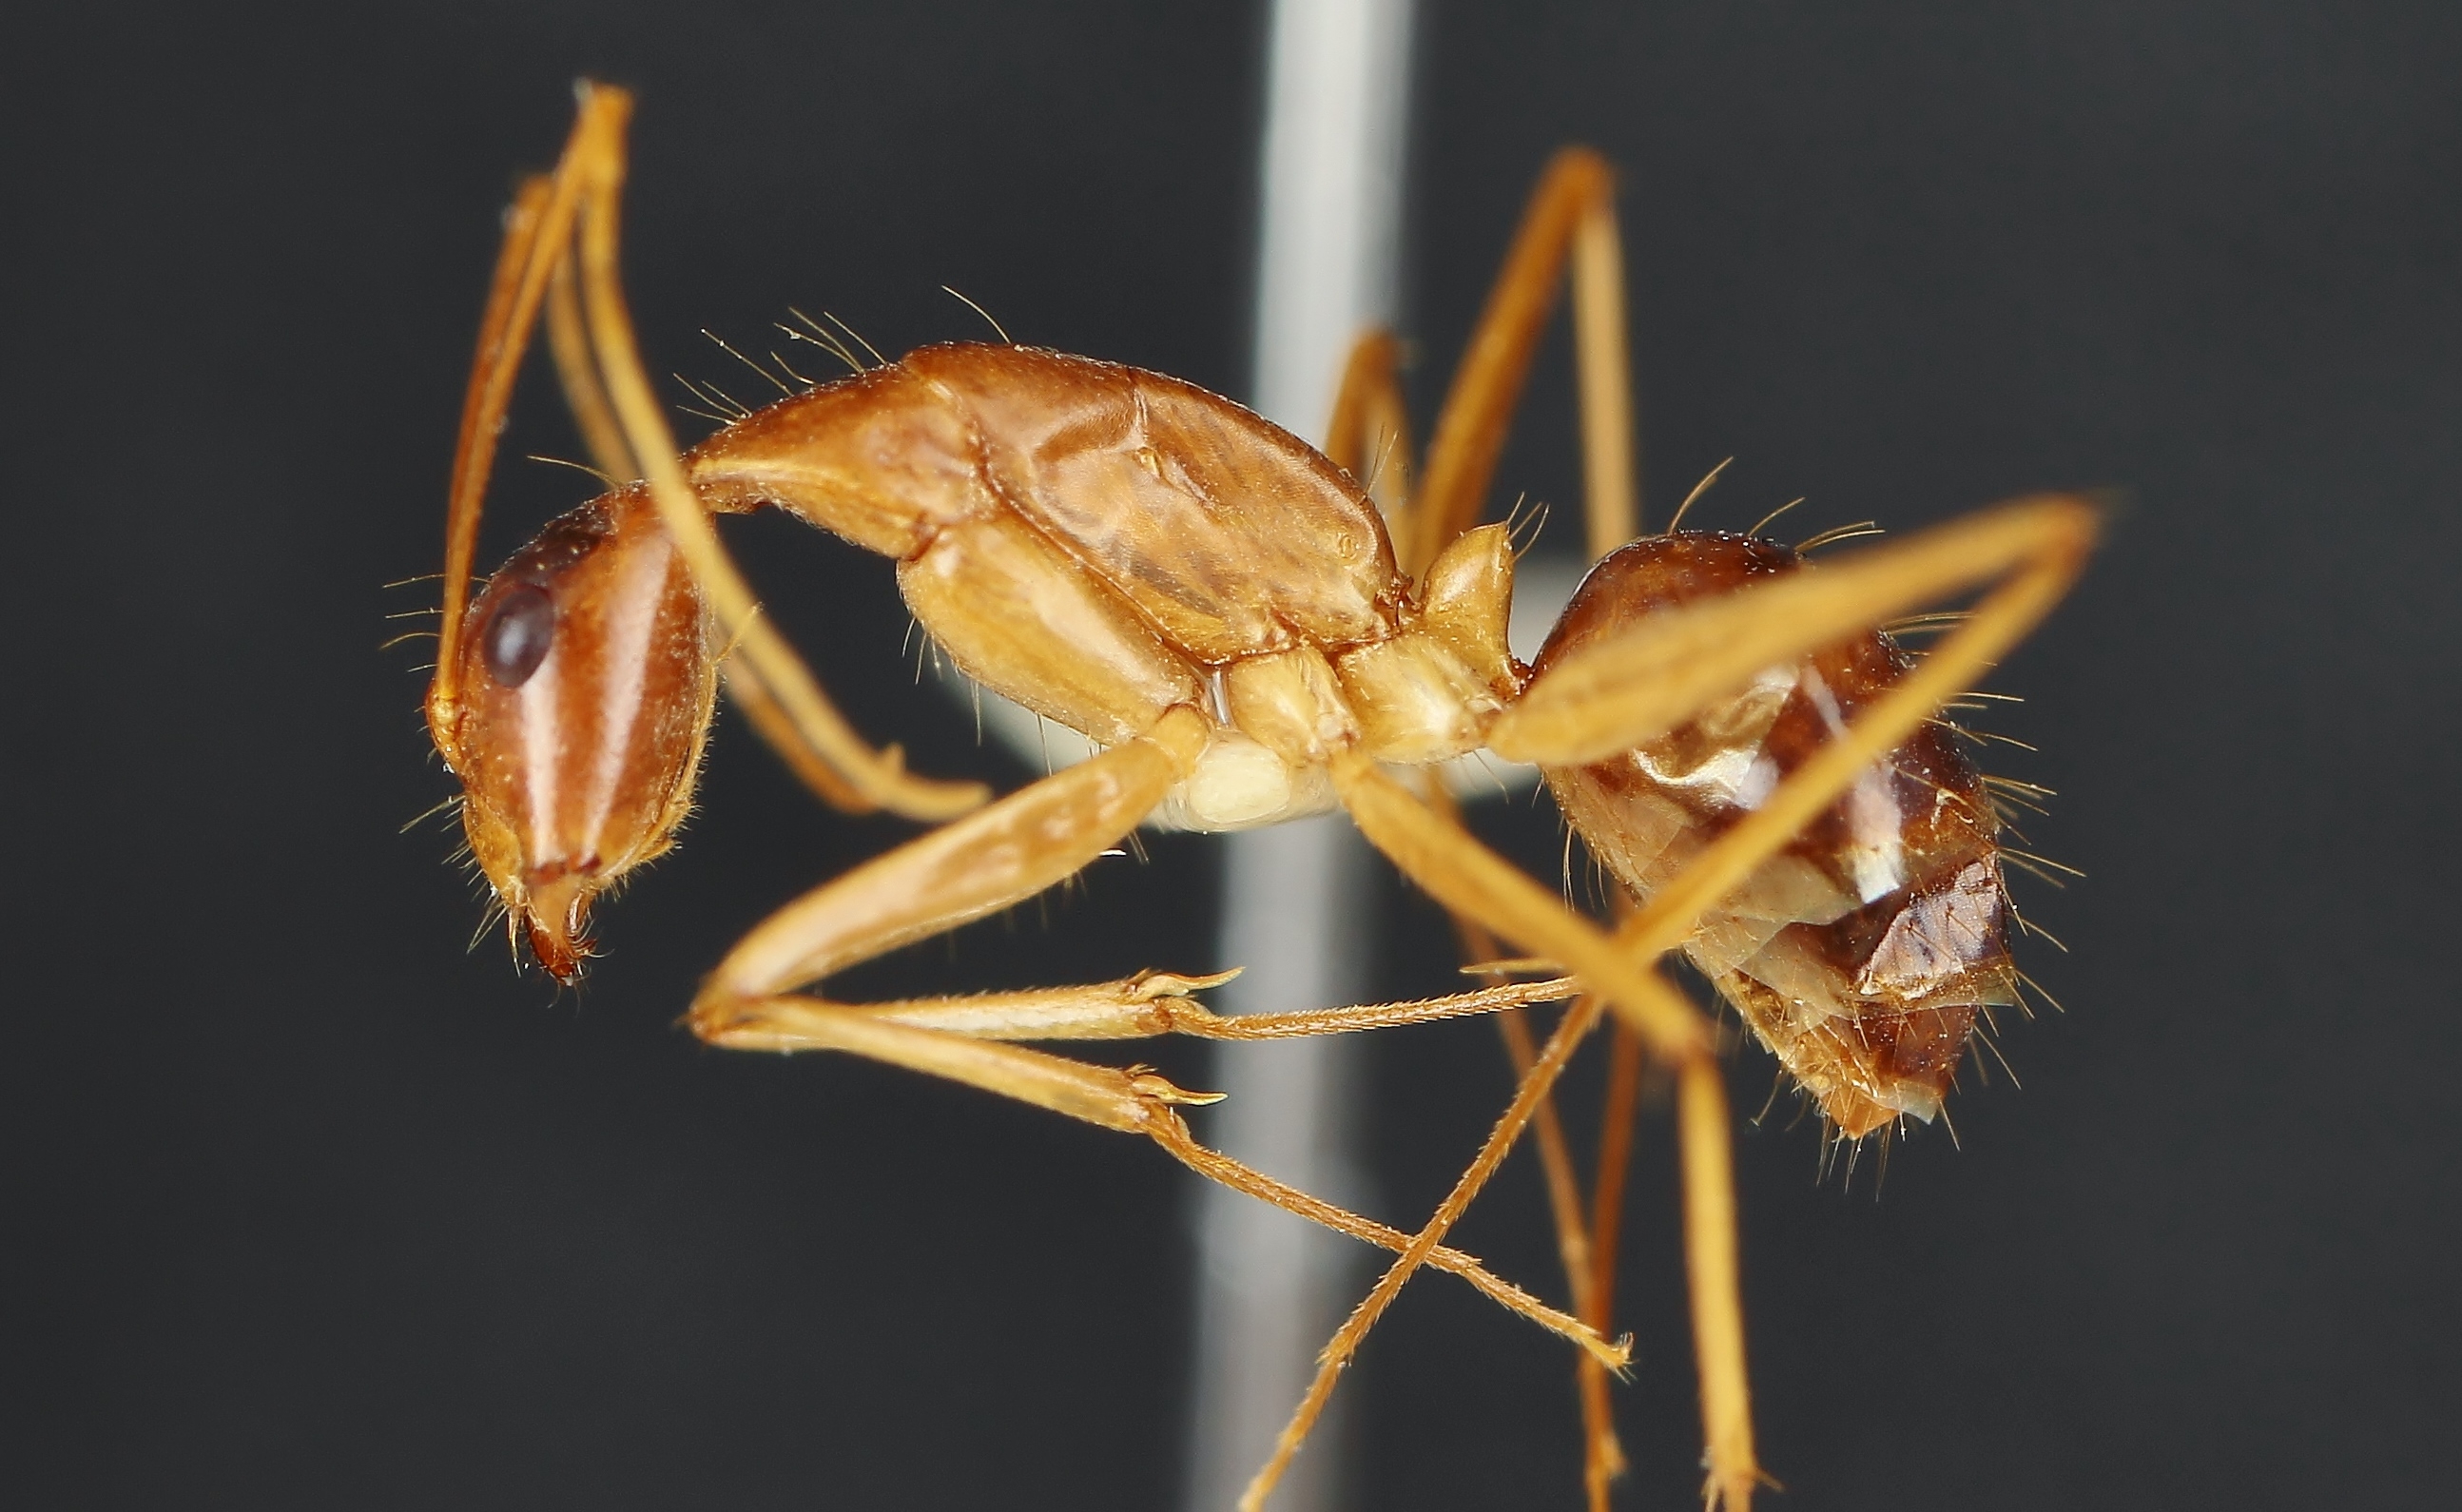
{"type": "Point", "coordinates": [1224, 611]}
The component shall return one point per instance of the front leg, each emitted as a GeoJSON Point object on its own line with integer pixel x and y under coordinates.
{"type": "Point", "coordinates": [1148, 1004]}
{"type": "Point", "coordinates": [993, 857]}
{"type": "Point", "coordinates": [986, 861]}
{"type": "Point", "coordinates": [1132, 1100]}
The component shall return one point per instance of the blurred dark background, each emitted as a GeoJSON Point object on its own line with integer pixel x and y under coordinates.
{"type": "Point", "coordinates": [306, 1206]}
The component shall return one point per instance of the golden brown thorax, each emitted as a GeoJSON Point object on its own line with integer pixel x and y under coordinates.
{"type": "Point", "coordinates": [1860, 954]}
{"type": "Point", "coordinates": [1100, 544]}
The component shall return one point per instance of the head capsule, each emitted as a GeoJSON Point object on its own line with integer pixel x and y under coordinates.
{"type": "Point", "coordinates": [585, 678]}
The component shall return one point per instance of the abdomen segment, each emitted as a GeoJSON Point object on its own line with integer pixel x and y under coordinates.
{"type": "Point", "coordinates": [1863, 952]}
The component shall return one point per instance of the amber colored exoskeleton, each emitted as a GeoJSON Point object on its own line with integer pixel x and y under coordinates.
{"type": "Point", "coordinates": [1226, 614]}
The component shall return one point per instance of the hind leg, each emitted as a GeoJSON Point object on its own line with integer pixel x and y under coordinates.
{"type": "Point", "coordinates": [1570, 220]}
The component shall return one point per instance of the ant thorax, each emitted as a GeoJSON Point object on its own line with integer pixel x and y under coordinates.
{"type": "Point", "coordinates": [1085, 540]}
{"type": "Point", "coordinates": [1425, 694]}
{"type": "Point", "coordinates": [1863, 952]}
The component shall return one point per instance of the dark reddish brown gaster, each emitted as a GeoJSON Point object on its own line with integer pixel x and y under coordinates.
{"type": "Point", "coordinates": [1864, 949]}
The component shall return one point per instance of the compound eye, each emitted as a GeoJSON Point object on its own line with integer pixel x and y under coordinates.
{"type": "Point", "coordinates": [518, 632]}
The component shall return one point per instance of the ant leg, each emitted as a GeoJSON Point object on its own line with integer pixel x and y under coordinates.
{"type": "Point", "coordinates": [1616, 1121]}
{"type": "Point", "coordinates": [1025, 843]}
{"type": "Point", "coordinates": [1602, 1456]}
{"type": "Point", "coordinates": [568, 334]}
{"type": "Point", "coordinates": [1714, 1275]}
{"type": "Point", "coordinates": [1653, 675]}
{"type": "Point", "coordinates": [1612, 515]}
{"type": "Point", "coordinates": [1010, 850]}
{"type": "Point", "coordinates": [1035, 838]}
{"type": "Point", "coordinates": [1371, 421]}
{"type": "Point", "coordinates": [1572, 215]}
{"type": "Point", "coordinates": [786, 701]}
{"type": "Point", "coordinates": [1132, 1101]}
{"type": "Point", "coordinates": [1469, 878]}
{"type": "Point", "coordinates": [1571, 210]}
{"type": "Point", "coordinates": [1156, 1002]}
{"type": "Point", "coordinates": [538, 227]}
{"type": "Point", "coordinates": [1577, 1023]}
{"type": "Point", "coordinates": [1216, 1166]}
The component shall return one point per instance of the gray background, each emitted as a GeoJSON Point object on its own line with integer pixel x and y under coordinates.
{"type": "Point", "coordinates": [300, 1205]}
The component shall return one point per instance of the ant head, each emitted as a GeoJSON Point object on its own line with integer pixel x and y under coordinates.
{"type": "Point", "coordinates": [583, 696]}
